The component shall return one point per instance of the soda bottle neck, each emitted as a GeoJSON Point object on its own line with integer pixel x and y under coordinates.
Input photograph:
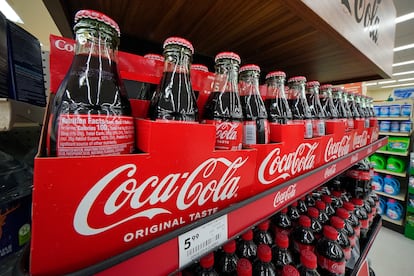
{"type": "Point", "coordinates": [177, 59]}
{"type": "Point", "coordinates": [276, 88]}
{"type": "Point", "coordinates": [249, 83]}
{"type": "Point", "coordinates": [226, 76]}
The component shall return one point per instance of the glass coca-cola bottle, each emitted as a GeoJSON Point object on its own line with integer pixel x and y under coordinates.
{"type": "Point", "coordinates": [353, 105]}
{"type": "Point", "coordinates": [262, 234]}
{"type": "Point", "coordinates": [343, 239]}
{"type": "Point", "coordinates": [281, 223]}
{"type": "Point", "coordinates": [347, 105]}
{"type": "Point", "coordinates": [90, 114]}
{"type": "Point", "coordinates": [316, 225]}
{"type": "Point", "coordinates": [206, 266]}
{"type": "Point", "coordinates": [339, 103]}
{"type": "Point", "coordinates": [298, 104]}
{"type": "Point", "coordinates": [302, 237]}
{"type": "Point", "coordinates": [293, 213]}
{"type": "Point", "coordinates": [360, 105]}
{"type": "Point", "coordinates": [308, 264]}
{"type": "Point", "coordinates": [246, 248]}
{"type": "Point", "coordinates": [174, 98]}
{"type": "Point", "coordinates": [330, 211]}
{"type": "Point", "coordinates": [289, 270]}
{"type": "Point", "coordinates": [227, 261]}
{"type": "Point", "coordinates": [319, 116]}
{"type": "Point", "coordinates": [344, 215]}
{"type": "Point", "coordinates": [263, 265]}
{"type": "Point", "coordinates": [281, 254]}
{"type": "Point", "coordinates": [323, 216]}
{"type": "Point", "coordinates": [276, 103]}
{"type": "Point", "coordinates": [244, 267]}
{"type": "Point", "coordinates": [353, 219]}
{"type": "Point", "coordinates": [362, 216]}
{"type": "Point", "coordinates": [255, 125]}
{"type": "Point", "coordinates": [331, 258]}
{"type": "Point", "coordinates": [223, 107]}
{"type": "Point", "coordinates": [327, 102]}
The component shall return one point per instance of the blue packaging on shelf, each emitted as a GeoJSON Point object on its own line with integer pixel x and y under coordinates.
{"type": "Point", "coordinates": [382, 208]}
{"type": "Point", "coordinates": [394, 209]}
{"type": "Point", "coordinates": [391, 185]}
{"type": "Point", "coordinates": [395, 110]}
{"type": "Point", "coordinates": [406, 110]}
{"type": "Point", "coordinates": [385, 126]}
{"type": "Point", "coordinates": [384, 111]}
{"type": "Point", "coordinates": [395, 126]}
{"type": "Point", "coordinates": [377, 182]}
{"type": "Point", "coordinates": [377, 110]}
{"type": "Point", "coordinates": [405, 126]}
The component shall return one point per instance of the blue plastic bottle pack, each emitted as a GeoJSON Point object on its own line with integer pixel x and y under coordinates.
{"type": "Point", "coordinates": [406, 110]}
{"type": "Point", "coordinates": [385, 126]}
{"type": "Point", "coordinates": [395, 126]}
{"type": "Point", "coordinates": [394, 209]}
{"type": "Point", "coordinates": [395, 110]}
{"type": "Point", "coordinates": [377, 182]}
{"type": "Point", "coordinates": [382, 208]}
{"type": "Point", "coordinates": [391, 185]}
{"type": "Point", "coordinates": [384, 111]}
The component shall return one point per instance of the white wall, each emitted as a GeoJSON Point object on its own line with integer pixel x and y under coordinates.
{"type": "Point", "coordinates": [380, 95]}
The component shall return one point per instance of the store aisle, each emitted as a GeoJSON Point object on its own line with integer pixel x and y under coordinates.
{"type": "Point", "coordinates": [392, 254]}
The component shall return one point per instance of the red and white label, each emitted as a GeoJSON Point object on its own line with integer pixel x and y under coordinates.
{"type": "Point", "coordinates": [228, 134]}
{"type": "Point", "coordinates": [308, 129]}
{"type": "Point", "coordinates": [335, 150]}
{"type": "Point", "coordinates": [250, 132]}
{"type": "Point", "coordinates": [329, 171]}
{"type": "Point", "coordinates": [331, 266]}
{"type": "Point", "coordinates": [360, 140]}
{"type": "Point", "coordinates": [299, 247]}
{"type": "Point", "coordinates": [283, 196]}
{"type": "Point", "coordinates": [359, 175]}
{"type": "Point", "coordinates": [279, 231]}
{"type": "Point", "coordinates": [318, 128]}
{"type": "Point", "coordinates": [86, 135]}
{"type": "Point", "coordinates": [364, 223]}
{"type": "Point", "coordinates": [347, 252]}
{"type": "Point", "coordinates": [351, 124]}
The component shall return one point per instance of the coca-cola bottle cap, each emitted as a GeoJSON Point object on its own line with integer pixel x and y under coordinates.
{"type": "Point", "coordinates": [264, 253]}
{"type": "Point", "coordinates": [199, 67]}
{"type": "Point", "coordinates": [313, 212]}
{"type": "Point", "coordinates": [308, 259]}
{"type": "Point", "coordinates": [248, 235]}
{"type": "Point", "coordinates": [326, 199]}
{"type": "Point", "coordinates": [297, 79]}
{"type": "Point", "coordinates": [326, 86]}
{"type": "Point", "coordinates": [330, 233]}
{"type": "Point", "coordinates": [264, 226]}
{"type": "Point", "coordinates": [312, 84]}
{"type": "Point", "coordinates": [227, 55]}
{"type": "Point", "coordinates": [249, 67]}
{"type": "Point", "coordinates": [207, 261]}
{"type": "Point", "coordinates": [276, 74]}
{"type": "Point", "coordinates": [305, 221]}
{"type": "Point", "coordinates": [230, 247]}
{"type": "Point", "coordinates": [320, 205]}
{"type": "Point", "coordinates": [95, 15]}
{"type": "Point", "coordinates": [336, 193]}
{"type": "Point", "coordinates": [154, 57]}
{"type": "Point", "coordinates": [179, 41]}
{"type": "Point", "coordinates": [282, 240]}
{"type": "Point", "coordinates": [342, 213]}
{"type": "Point", "coordinates": [289, 270]}
{"type": "Point", "coordinates": [358, 201]}
{"type": "Point", "coordinates": [349, 206]}
{"type": "Point", "coordinates": [244, 267]}
{"type": "Point", "coordinates": [337, 222]}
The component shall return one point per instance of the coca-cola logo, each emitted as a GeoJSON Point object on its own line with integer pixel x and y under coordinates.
{"type": "Point", "coordinates": [369, 150]}
{"type": "Point", "coordinates": [335, 150]}
{"type": "Point", "coordinates": [330, 171]}
{"type": "Point", "coordinates": [119, 191]}
{"type": "Point", "coordinates": [275, 166]}
{"type": "Point", "coordinates": [227, 131]}
{"type": "Point", "coordinates": [354, 158]}
{"type": "Point", "coordinates": [283, 196]}
{"type": "Point", "coordinates": [374, 135]}
{"type": "Point", "coordinates": [360, 140]}
{"type": "Point", "coordinates": [64, 46]}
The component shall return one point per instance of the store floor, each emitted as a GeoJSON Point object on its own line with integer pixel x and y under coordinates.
{"type": "Point", "coordinates": [392, 254]}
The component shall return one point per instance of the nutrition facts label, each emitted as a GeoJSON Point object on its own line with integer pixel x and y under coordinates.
{"type": "Point", "coordinates": [85, 135]}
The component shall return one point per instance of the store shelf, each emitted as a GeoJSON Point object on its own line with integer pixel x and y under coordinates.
{"type": "Point", "coordinates": [404, 174]}
{"type": "Point", "coordinates": [393, 152]}
{"type": "Point", "coordinates": [396, 222]}
{"type": "Point", "coordinates": [400, 196]}
{"type": "Point", "coordinates": [394, 118]}
{"type": "Point", "coordinates": [19, 114]}
{"type": "Point", "coordinates": [395, 133]}
{"type": "Point", "coordinates": [238, 218]}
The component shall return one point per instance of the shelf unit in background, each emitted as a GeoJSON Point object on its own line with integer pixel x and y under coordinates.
{"type": "Point", "coordinates": [403, 134]}
{"type": "Point", "coordinates": [19, 114]}
{"type": "Point", "coordinates": [409, 222]}
{"type": "Point", "coordinates": [404, 174]}
{"type": "Point", "coordinates": [396, 118]}
{"type": "Point", "coordinates": [393, 153]}
{"type": "Point", "coordinates": [400, 196]}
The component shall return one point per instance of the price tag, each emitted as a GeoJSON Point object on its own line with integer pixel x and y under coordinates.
{"type": "Point", "coordinates": [201, 240]}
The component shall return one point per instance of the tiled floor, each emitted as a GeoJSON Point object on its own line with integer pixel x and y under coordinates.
{"type": "Point", "coordinates": [392, 254]}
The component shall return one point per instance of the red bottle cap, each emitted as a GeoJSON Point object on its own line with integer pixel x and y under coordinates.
{"type": "Point", "coordinates": [289, 270]}
{"type": "Point", "coordinates": [282, 240]}
{"type": "Point", "coordinates": [326, 86]}
{"type": "Point", "coordinates": [179, 41]}
{"type": "Point", "coordinates": [326, 199]}
{"type": "Point", "coordinates": [336, 193]}
{"type": "Point", "coordinates": [337, 222]}
{"type": "Point", "coordinates": [335, 89]}
{"type": "Point", "coordinates": [249, 67]}
{"type": "Point", "coordinates": [342, 213]}
{"type": "Point", "coordinates": [305, 221]}
{"type": "Point", "coordinates": [358, 201]}
{"type": "Point", "coordinates": [320, 205]}
{"type": "Point", "coordinates": [330, 233]}
{"type": "Point", "coordinates": [349, 206]}
{"type": "Point", "coordinates": [264, 253]}
{"type": "Point", "coordinates": [95, 15]}
{"type": "Point", "coordinates": [312, 84]}
{"type": "Point", "coordinates": [207, 261]}
{"type": "Point", "coordinates": [230, 247]}
{"type": "Point", "coordinates": [297, 79]}
{"type": "Point", "coordinates": [308, 259]}
{"type": "Point", "coordinates": [313, 212]}
{"type": "Point", "coordinates": [248, 235]}
{"type": "Point", "coordinates": [264, 226]}
{"type": "Point", "coordinates": [199, 67]}
{"type": "Point", "coordinates": [276, 74]}
{"type": "Point", "coordinates": [244, 267]}
{"type": "Point", "coordinates": [227, 55]}
{"type": "Point", "coordinates": [294, 204]}
{"type": "Point", "coordinates": [154, 57]}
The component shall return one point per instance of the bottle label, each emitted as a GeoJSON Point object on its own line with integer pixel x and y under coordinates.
{"type": "Point", "coordinates": [364, 223]}
{"type": "Point", "coordinates": [228, 134]}
{"type": "Point", "coordinates": [359, 175]}
{"type": "Point", "coordinates": [86, 135]}
{"type": "Point", "coordinates": [347, 252]}
{"type": "Point", "coordinates": [279, 231]}
{"type": "Point", "coordinates": [299, 247]}
{"type": "Point", "coordinates": [251, 131]}
{"type": "Point", "coordinates": [331, 266]}
{"type": "Point", "coordinates": [351, 123]}
{"type": "Point", "coordinates": [308, 129]}
{"type": "Point", "coordinates": [318, 127]}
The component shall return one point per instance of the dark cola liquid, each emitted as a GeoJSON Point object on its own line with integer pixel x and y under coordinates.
{"type": "Point", "coordinates": [254, 110]}
{"type": "Point", "coordinates": [263, 269]}
{"type": "Point", "coordinates": [316, 227]}
{"type": "Point", "coordinates": [330, 251]}
{"type": "Point", "coordinates": [227, 264]}
{"type": "Point", "coordinates": [281, 257]}
{"type": "Point", "coordinates": [247, 249]}
{"type": "Point", "coordinates": [299, 111]}
{"type": "Point", "coordinates": [342, 112]}
{"type": "Point", "coordinates": [302, 238]}
{"type": "Point", "coordinates": [91, 87]}
{"type": "Point", "coordinates": [224, 106]}
{"type": "Point", "coordinates": [278, 111]}
{"type": "Point", "coordinates": [174, 99]}
{"type": "Point", "coordinates": [139, 90]}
